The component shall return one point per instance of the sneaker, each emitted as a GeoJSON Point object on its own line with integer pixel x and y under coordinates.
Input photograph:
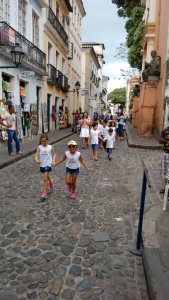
{"type": "Point", "coordinates": [109, 158]}
{"type": "Point", "coordinates": [70, 188]}
{"type": "Point", "coordinates": [51, 184]}
{"type": "Point", "coordinates": [12, 154]}
{"type": "Point", "coordinates": [44, 195]}
{"type": "Point", "coordinates": [73, 196]}
{"type": "Point", "coordinates": [19, 152]}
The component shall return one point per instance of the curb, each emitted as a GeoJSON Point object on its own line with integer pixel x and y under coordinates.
{"type": "Point", "coordinates": [139, 146]}
{"type": "Point", "coordinates": [156, 272]}
{"type": "Point", "coordinates": [8, 163]}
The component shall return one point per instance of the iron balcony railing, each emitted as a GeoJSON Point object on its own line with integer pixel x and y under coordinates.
{"type": "Point", "coordinates": [9, 37]}
{"type": "Point", "coordinates": [57, 26]}
{"type": "Point", "coordinates": [56, 78]}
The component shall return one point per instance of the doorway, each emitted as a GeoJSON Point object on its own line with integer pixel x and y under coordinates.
{"type": "Point", "coordinates": [48, 110]}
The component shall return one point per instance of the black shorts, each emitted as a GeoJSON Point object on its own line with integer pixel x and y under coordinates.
{"type": "Point", "coordinates": [45, 169]}
{"type": "Point", "coordinates": [72, 171]}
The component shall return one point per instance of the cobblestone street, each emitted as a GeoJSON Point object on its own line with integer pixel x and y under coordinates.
{"type": "Point", "coordinates": [75, 249]}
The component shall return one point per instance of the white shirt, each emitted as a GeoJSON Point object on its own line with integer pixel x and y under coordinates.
{"type": "Point", "coordinates": [109, 140]}
{"type": "Point", "coordinates": [105, 131]}
{"type": "Point", "coordinates": [10, 120]}
{"type": "Point", "coordinates": [94, 136]}
{"type": "Point", "coordinates": [100, 127]}
{"type": "Point", "coordinates": [45, 155]}
{"type": "Point", "coordinates": [72, 161]}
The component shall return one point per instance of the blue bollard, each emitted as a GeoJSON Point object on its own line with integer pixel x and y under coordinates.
{"type": "Point", "coordinates": [137, 249]}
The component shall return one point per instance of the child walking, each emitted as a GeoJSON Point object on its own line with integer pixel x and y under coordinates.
{"type": "Point", "coordinates": [109, 139]}
{"type": "Point", "coordinates": [73, 160]}
{"type": "Point", "coordinates": [46, 157]}
{"type": "Point", "coordinates": [94, 137]}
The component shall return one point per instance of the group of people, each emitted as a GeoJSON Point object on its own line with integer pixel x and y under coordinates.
{"type": "Point", "coordinates": [99, 133]}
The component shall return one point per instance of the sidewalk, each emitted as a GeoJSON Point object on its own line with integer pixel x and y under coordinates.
{"type": "Point", "coordinates": [135, 141]}
{"type": "Point", "coordinates": [155, 231]}
{"type": "Point", "coordinates": [28, 146]}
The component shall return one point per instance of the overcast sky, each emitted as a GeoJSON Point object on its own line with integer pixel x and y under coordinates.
{"type": "Point", "coordinates": [101, 24]}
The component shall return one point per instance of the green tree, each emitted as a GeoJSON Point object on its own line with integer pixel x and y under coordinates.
{"type": "Point", "coordinates": [133, 10]}
{"type": "Point", "coordinates": [118, 96]}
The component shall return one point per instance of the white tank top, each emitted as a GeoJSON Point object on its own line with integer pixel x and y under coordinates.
{"type": "Point", "coordinates": [72, 161]}
{"type": "Point", "coordinates": [45, 154]}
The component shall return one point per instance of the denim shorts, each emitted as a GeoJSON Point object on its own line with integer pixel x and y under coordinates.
{"type": "Point", "coordinates": [109, 150]}
{"type": "Point", "coordinates": [94, 147]}
{"type": "Point", "coordinates": [72, 171]}
{"type": "Point", "coordinates": [45, 169]}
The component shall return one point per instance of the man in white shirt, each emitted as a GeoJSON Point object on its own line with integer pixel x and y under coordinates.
{"type": "Point", "coordinates": [10, 119]}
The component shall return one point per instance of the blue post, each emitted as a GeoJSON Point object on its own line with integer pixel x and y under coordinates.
{"type": "Point", "coordinates": [137, 248]}
{"type": "Point", "coordinates": [142, 201]}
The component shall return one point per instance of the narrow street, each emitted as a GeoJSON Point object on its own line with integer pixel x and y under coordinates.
{"type": "Point", "coordinates": [75, 249]}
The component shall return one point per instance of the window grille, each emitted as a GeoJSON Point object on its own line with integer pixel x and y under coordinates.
{"type": "Point", "coordinates": [22, 17]}
{"type": "Point", "coordinates": [35, 29]}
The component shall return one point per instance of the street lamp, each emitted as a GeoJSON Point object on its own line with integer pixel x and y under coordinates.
{"type": "Point", "coordinates": [77, 88]}
{"type": "Point", "coordinates": [17, 56]}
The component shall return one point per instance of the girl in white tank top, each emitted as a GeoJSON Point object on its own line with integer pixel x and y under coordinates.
{"type": "Point", "coordinates": [73, 160]}
{"type": "Point", "coordinates": [45, 156]}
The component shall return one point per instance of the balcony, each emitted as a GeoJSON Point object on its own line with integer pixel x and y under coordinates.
{"type": "Point", "coordinates": [9, 37]}
{"type": "Point", "coordinates": [56, 78]}
{"type": "Point", "coordinates": [57, 26]}
{"type": "Point", "coordinates": [51, 74]}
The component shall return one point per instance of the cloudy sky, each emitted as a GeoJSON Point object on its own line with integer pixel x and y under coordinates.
{"type": "Point", "coordinates": [101, 24]}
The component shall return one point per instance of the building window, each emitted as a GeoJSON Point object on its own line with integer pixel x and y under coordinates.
{"type": "Point", "coordinates": [35, 29]}
{"type": "Point", "coordinates": [57, 10]}
{"type": "Point", "coordinates": [50, 3]}
{"type": "Point", "coordinates": [4, 10]}
{"type": "Point", "coordinates": [63, 65]}
{"type": "Point", "coordinates": [57, 60]}
{"type": "Point", "coordinates": [49, 53]}
{"type": "Point", "coordinates": [22, 17]}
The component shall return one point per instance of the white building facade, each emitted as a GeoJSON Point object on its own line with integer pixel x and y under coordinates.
{"type": "Point", "coordinates": [21, 22]}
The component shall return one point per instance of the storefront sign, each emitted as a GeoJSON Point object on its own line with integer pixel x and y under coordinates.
{"type": "Point", "coordinates": [34, 119]}
{"type": "Point", "coordinates": [85, 92]}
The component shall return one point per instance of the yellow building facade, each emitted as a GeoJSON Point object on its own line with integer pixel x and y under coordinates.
{"type": "Point", "coordinates": [55, 111]}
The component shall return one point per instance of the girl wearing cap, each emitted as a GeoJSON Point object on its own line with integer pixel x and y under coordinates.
{"type": "Point", "coordinates": [73, 160]}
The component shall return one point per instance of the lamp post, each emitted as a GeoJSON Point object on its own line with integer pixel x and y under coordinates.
{"type": "Point", "coordinates": [17, 56]}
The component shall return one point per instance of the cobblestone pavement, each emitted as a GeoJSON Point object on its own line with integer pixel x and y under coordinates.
{"type": "Point", "coordinates": [74, 249]}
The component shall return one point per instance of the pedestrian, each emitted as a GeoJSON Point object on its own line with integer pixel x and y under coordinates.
{"type": "Point", "coordinates": [46, 157]}
{"type": "Point", "coordinates": [164, 139]}
{"type": "Point", "coordinates": [84, 133]}
{"type": "Point", "coordinates": [100, 127]}
{"type": "Point", "coordinates": [73, 160]}
{"type": "Point", "coordinates": [105, 131]}
{"type": "Point", "coordinates": [121, 126]}
{"type": "Point", "coordinates": [12, 130]}
{"type": "Point", "coordinates": [94, 137]}
{"type": "Point", "coordinates": [112, 125]}
{"type": "Point", "coordinates": [109, 139]}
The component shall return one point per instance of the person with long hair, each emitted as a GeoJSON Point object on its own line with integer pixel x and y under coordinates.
{"type": "Point", "coordinates": [84, 133]}
{"type": "Point", "coordinates": [45, 156]}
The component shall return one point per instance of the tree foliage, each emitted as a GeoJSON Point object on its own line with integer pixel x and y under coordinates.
{"type": "Point", "coordinates": [118, 96]}
{"type": "Point", "coordinates": [133, 10]}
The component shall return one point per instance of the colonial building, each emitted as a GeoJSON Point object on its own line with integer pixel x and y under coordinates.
{"type": "Point", "coordinates": [55, 111]}
{"type": "Point", "coordinates": [90, 80]}
{"type": "Point", "coordinates": [75, 56]}
{"type": "Point", "coordinates": [153, 108]}
{"type": "Point", "coordinates": [21, 23]}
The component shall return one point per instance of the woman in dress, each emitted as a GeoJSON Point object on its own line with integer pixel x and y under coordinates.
{"type": "Point", "coordinates": [84, 133]}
